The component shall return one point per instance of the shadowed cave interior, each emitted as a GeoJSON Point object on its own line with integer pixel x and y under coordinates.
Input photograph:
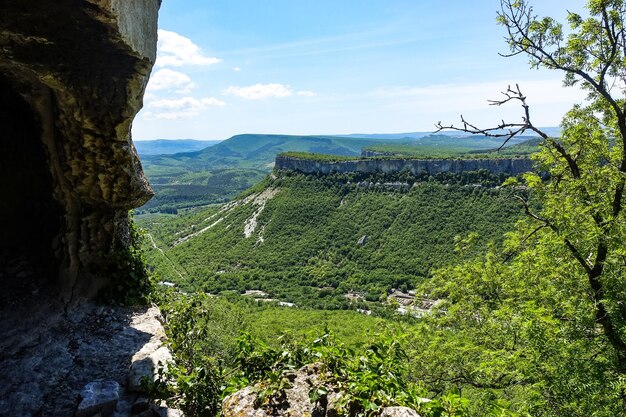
{"type": "Point", "coordinates": [29, 215]}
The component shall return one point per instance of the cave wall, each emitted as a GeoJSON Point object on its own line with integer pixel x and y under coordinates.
{"type": "Point", "coordinates": [75, 71]}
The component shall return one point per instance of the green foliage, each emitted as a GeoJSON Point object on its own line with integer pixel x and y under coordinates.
{"type": "Point", "coordinates": [131, 282]}
{"type": "Point", "coordinates": [534, 325]}
{"type": "Point", "coordinates": [309, 253]}
{"type": "Point", "coordinates": [220, 172]}
{"type": "Point", "coordinates": [319, 156]}
{"type": "Point", "coordinates": [201, 332]}
{"type": "Point", "coordinates": [541, 328]}
{"type": "Point", "coordinates": [268, 323]}
{"type": "Point", "coordinates": [176, 191]}
{"type": "Point", "coordinates": [447, 147]}
{"type": "Point", "coordinates": [215, 355]}
{"type": "Point", "coordinates": [520, 331]}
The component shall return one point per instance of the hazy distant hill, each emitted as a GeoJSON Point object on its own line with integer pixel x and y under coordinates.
{"type": "Point", "coordinates": [255, 151]}
{"type": "Point", "coordinates": [170, 146]}
{"type": "Point", "coordinates": [551, 131]}
{"type": "Point", "coordinates": [220, 172]}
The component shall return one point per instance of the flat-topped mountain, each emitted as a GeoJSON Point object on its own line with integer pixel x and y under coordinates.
{"type": "Point", "coordinates": [387, 165]}
{"type": "Point", "coordinates": [219, 172]}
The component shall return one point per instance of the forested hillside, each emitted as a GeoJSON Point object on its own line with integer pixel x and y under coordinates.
{"type": "Point", "coordinates": [310, 240]}
{"type": "Point", "coordinates": [531, 325]}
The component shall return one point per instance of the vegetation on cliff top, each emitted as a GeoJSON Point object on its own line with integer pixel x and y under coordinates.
{"type": "Point", "coordinates": [448, 149]}
{"type": "Point", "coordinates": [319, 156]}
{"type": "Point", "coordinates": [220, 172]}
{"type": "Point", "coordinates": [441, 146]}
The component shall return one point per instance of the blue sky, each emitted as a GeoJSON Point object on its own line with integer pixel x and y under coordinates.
{"type": "Point", "coordinates": [227, 67]}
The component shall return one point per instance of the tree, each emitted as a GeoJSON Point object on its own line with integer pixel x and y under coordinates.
{"type": "Point", "coordinates": [563, 276]}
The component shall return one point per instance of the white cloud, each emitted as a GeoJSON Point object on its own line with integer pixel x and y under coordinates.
{"type": "Point", "coordinates": [478, 94]}
{"type": "Point", "coordinates": [167, 79]}
{"type": "Point", "coordinates": [174, 50]}
{"type": "Point", "coordinates": [236, 69]}
{"type": "Point", "coordinates": [185, 102]}
{"type": "Point", "coordinates": [183, 107]}
{"type": "Point", "coordinates": [260, 91]}
{"type": "Point", "coordinates": [173, 115]}
{"type": "Point", "coordinates": [306, 93]}
{"type": "Point", "coordinates": [547, 98]}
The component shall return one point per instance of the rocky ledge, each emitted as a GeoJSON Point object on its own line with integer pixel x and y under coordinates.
{"type": "Point", "coordinates": [72, 78]}
{"type": "Point", "coordinates": [511, 166]}
{"type": "Point", "coordinates": [295, 399]}
{"type": "Point", "coordinates": [82, 360]}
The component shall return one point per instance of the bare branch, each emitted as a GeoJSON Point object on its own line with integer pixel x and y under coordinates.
{"type": "Point", "coordinates": [503, 130]}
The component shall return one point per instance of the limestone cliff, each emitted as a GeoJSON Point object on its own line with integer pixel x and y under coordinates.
{"type": "Point", "coordinates": [72, 78]}
{"type": "Point", "coordinates": [512, 166]}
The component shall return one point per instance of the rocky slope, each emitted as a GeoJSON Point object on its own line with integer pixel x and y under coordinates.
{"type": "Point", "coordinates": [51, 355]}
{"type": "Point", "coordinates": [295, 400]}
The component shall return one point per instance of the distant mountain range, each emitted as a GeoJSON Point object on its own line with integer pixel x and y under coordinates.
{"type": "Point", "coordinates": [248, 144]}
{"type": "Point", "coordinates": [222, 170]}
{"type": "Point", "coordinates": [551, 131]}
{"type": "Point", "coordinates": [256, 151]}
{"type": "Point", "coordinates": [171, 146]}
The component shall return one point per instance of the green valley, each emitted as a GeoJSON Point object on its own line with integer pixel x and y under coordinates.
{"type": "Point", "coordinates": [516, 284]}
{"type": "Point", "coordinates": [311, 240]}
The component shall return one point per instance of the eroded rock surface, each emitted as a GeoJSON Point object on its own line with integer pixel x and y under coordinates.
{"type": "Point", "coordinates": [51, 353]}
{"type": "Point", "coordinates": [72, 77]}
{"type": "Point", "coordinates": [295, 401]}
{"type": "Point", "coordinates": [98, 397]}
{"type": "Point", "coordinates": [511, 166]}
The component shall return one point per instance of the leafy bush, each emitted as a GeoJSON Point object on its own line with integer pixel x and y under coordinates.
{"type": "Point", "coordinates": [202, 333]}
{"type": "Point", "coordinates": [210, 362]}
{"type": "Point", "coordinates": [131, 282]}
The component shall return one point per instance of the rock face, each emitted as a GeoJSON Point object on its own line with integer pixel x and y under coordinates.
{"type": "Point", "coordinates": [512, 166]}
{"type": "Point", "coordinates": [100, 396]}
{"type": "Point", "coordinates": [72, 77]}
{"type": "Point", "coordinates": [64, 361]}
{"type": "Point", "coordinates": [295, 400]}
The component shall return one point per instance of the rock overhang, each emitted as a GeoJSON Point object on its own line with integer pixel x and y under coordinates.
{"type": "Point", "coordinates": [82, 66]}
